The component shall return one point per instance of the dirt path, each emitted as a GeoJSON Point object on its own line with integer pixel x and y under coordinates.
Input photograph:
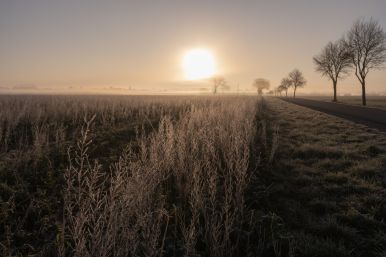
{"type": "Point", "coordinates": [371, 117]}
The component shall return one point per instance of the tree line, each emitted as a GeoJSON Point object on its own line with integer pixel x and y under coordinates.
{"type": "Point", "coordinates": [362, 49]}
{"type": "Point", "coordinates": [295, 80]}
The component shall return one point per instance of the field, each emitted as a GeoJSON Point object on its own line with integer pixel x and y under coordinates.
{"type": "Point", "coordinates": [328, 183]}
{"type": "Point", "coordinates": [372, 101]}
{"type": "Point", "coordinates": [187, 176]}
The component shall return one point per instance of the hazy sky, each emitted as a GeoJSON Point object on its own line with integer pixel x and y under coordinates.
{"type": "Point", "coordinates": [120, 43]}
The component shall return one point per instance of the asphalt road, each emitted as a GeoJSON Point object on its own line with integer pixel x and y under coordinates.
{"type": "Point", "coordinates": [371, 117]}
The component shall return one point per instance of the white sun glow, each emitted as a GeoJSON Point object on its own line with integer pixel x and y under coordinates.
{"type": "Point", "coordinates": [198, 64]}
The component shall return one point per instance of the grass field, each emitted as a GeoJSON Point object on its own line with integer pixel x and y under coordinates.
{"type": "Point", "coordinates": [187, 176]}
{"type": "Point", "coordinates": [328, 182]}
{"type": "Point", "coordinates": [372, 101]}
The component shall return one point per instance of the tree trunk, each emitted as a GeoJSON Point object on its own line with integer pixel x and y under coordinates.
{"type": "Point", "coordinates": [286, 93]}
{"type": "Point", "coordinates": [335, 83]}
{"type": "Point", "coordinates": [294, 92]}
{"type": "Point", "coordinates": [363, 92]}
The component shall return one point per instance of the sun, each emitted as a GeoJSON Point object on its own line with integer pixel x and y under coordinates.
{"type": "Point", "coordinates": [198, 64]}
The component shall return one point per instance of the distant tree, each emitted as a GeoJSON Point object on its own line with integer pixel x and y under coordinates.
{"type": "Point", "coordinates": [285, 84]}
{"type": "Point", "coordinates": [366, 42]}
{"type": "Point", "coordinates": [280, 89]}
{"type": "Point", "coordinates": [260, 84]}
{"type": "Point", "coordinates": [219, 82]}
{"type": "Point", "coordinates": [334, 62]}
{"type": "Point", "coordinates": [270, 92]}
{"type": "Point", "coordinates": [297, 80]}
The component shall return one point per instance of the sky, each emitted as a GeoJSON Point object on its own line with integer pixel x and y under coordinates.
{"type": "Point", "coordinates": [91, 45]}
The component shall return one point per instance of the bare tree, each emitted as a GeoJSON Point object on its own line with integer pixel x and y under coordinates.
{"type": "Point", "coordinates": [280, 89]}
{"type": "Point", "coordinates": [285, 84]}
{"type": "Point", "coordinates": [219, 82]}
{"type": "Point", "coordinates": [260, 84]}
{"type": "Point", "coordinates": [334, 62]}
{"type": "Point", "coordinates": [297, 79]}
{"type": "Point", "coordinates": [366, 41]}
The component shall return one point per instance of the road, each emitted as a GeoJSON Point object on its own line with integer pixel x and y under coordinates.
{"type": "Point", "coordinates": [371, 117]}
